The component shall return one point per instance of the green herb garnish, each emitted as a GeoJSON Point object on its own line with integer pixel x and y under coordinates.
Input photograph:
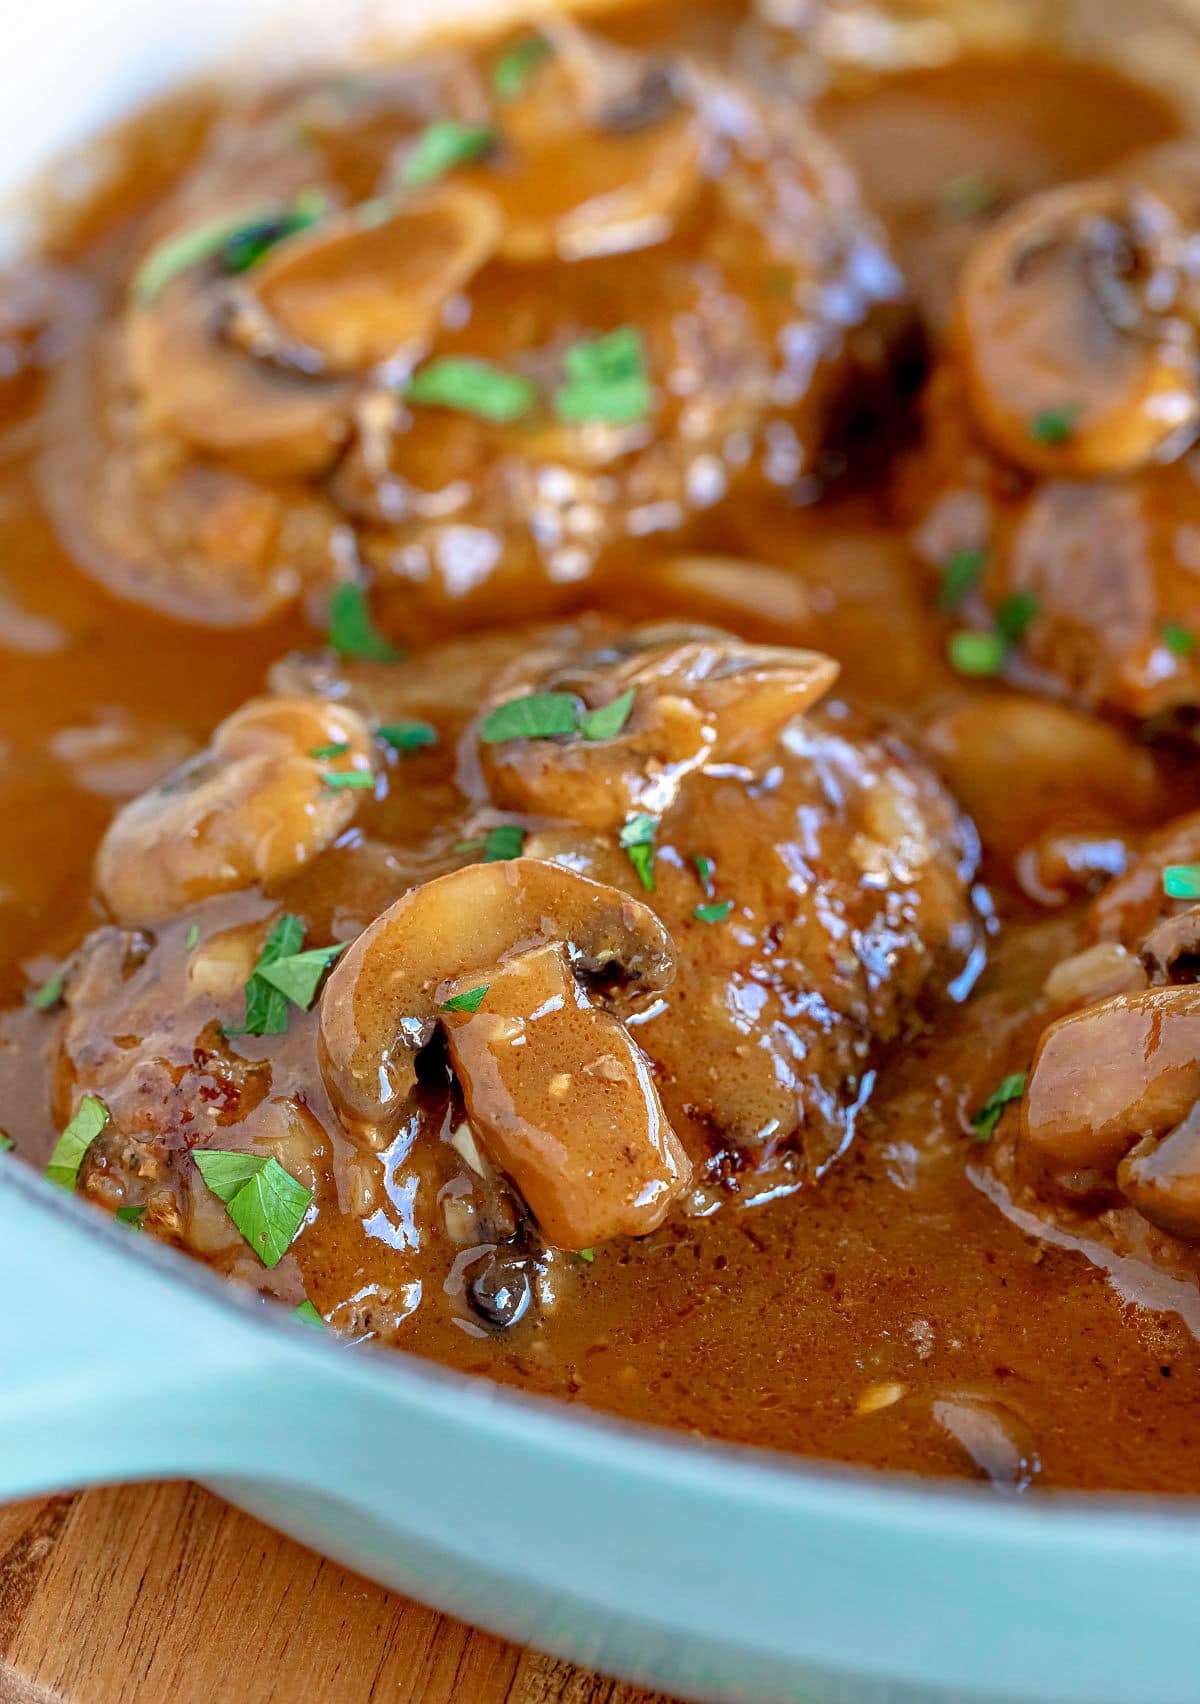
{"type": "Point", "coordinates": [265, 1202]}
{"type": "Point", "coordinates": [637, 838]}
{"type": "Point", "coordinates": [1014, 615]}
{"type": "Point", "coordinates": [704, 869]}
{"type": "Point", "coordinates": [587, 1254]}
{"type": "Point", "coordinates": [515, 65]}
{"type": "Point", "coordinates": [407, 736]}
{"type": "Point", "coordinates": [90, 1118]}
{"type": "Point", "coordinates": [6, 1142]}
{"type": "Point", "coordinates": [132, 1216]}
{"type": "Point", "coordinates": [1181, 881]}
{"type": "Point", "coordinates": [470, 386]}
{"type": "Point", "coordinates": [986, 1117]}
{"type": "Point", "coordinates": [606, 380]}
{"type": "Point", "coordinates": [50, 993]}
{"type": "Point", "coordinates": [1055, 425]}
{"type": "Point", "coordinates": [247, 245]}
{"type": "Point", "coordinates": [716, 912]}
{"type": "Point", "coordinates": [961, 573]}
{"type": "Point", "coordinates": [338, 749]}
{"type": "Point", "coordinates": [299, 975]}
{"type": "Point", "coordinates": [193, 936]}
{"type": "Point", "coordinates": [237, 243]}
{"type": "Point", "coordinates": [443, 145]}
{"type": "Point", "coordinates": [502, 842]}
{"type": "Point", "coordinates": [352, 633]}
{"type": "Point", "coordinates": [267, 1007]}
{"type": "Point", "coordinates": [606, 722]}
{"type": "Point", "coordinates": [1178, 639]}
{"type": "Point", "coordinates": [977, 653]}
{"type": "Point", "coordinates": [308, 1313]}
{"type": "Point", "coordinates": [539, 716]}
{"type": "Point", "coordinates": [347, 780]}
{"type": "Point", "coordinates": [970, 196]}
{"type": "Point", "coordinates": [470, 1001]}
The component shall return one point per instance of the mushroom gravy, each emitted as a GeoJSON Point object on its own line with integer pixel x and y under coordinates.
{"type": "Point", "coordinates": [705, 1152]}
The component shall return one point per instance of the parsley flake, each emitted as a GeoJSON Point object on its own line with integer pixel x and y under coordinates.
{"type": "Point", "coordinates": [585, 1254]}
{"type": "Point", "coordinates": [986, 1117]}
{"type": "Point", "coordinates": [637, 839]}
{"type": "Point", "coordinates": [266, 1203]}
{"type": "Point", "coordinates": [90, 1118]}
{"type": "Point", "coordinates": [704, 869]}
{"type": "Point", "coordinates": [970, 196]}
{"type": "Point", "coordinates": [1181, 881]}
{"type": "Point", "coordinates": [308, 1313]}
{"type": "Point", "coordinates": [6, 1142]}
{"type": "Point", "coordinates": [407, 736]}
{"type": "Point", "coordinates": [299, 974]}
{"type": "Point", "coordinates": [443, 145]}
{"type": "Point", "coordinates": [247, 245]}
{"type": "Point", "coordinates": [606, 722]}
{"type": "Point", "coordinates": [352, 633]}
{"type": "Point", "coordinates": [132, 1216]}
{"type": "Point", "coordinates": [606, 380]}
{"type": "Point", "coordinates": [1054, 425]}
{"type": "Point", "coordinates": [266, 1007]}
{"type": "Point", "coordinates": [470, 1001]}
{"type": "Point", "coordinates": [1014, 615]}
{"type": "Point", "coordinates": [1179, 640]}
{"type": "Point", "coordinates": [338, 749]}
{"type": "Point", "coordinates": [50, 993]}
{"type": "Point", "coordinates": [716, 912]}
{"type": "Point", "coordinates": [238, 244]}
{"type": "Point", "coordinates": [977, 653]}
{"type": "Point", "coordinates": [471, 386]}
{"type": "Point", "coordinates": [502, 842]}
{"type": "Point", "coordinates": [516, 65]}
{"type": "Point", "coordinates": [961, 573]}
{"type": "Point", "coordinates": [193, 936]}
{"type": "Point", "coordinates": [539, 716]}
{"type": "Point", "coordinates": [347, 780]}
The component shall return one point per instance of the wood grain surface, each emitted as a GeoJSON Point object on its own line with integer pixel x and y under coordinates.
{"type": "Point", "coordinates": [162, 1594]}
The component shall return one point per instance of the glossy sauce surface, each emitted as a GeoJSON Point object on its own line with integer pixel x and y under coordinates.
{"type": "Point", "coordinates": [887, 1313]}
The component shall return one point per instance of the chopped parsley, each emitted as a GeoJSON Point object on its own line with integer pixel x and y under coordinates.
{"type": "Point", "coordinates": [637, 839]}
{"type": "Point", "coordinates": [443, 145]}
{"type": "Point", "coordinates": [1054, 425]}
{"type": "Point", "coordinates": [308, 1313]}
{"type": "Point", "coordinates": [977, 653]}
{"type": "Point", "coordinates": [338, 749]}
{"type": "Point", "coordinates": [961, 573]}
{"type": "Point", "coordinates": [266, 1006]}
{"type": "Point", "coordinates": [606, 380]}
{"type": "Point", "coordinates": [90, 1118]}
{"type": "Point", "coordinates": [469, 1001]}
{"type": "Point", "coordinates": [193, 936]}
{"type": "Point", "coordinates": [986, 1117]}
{"type": "Point", "coordinates": [1014, 615]}
{"type": "Point", "coordinates": [50, 993]}
{"type": "Point", "coordinates": [407, 736]}
{"type": "Point", "coordinates": [266, 1203]}
{"type": "Point", "coordinates": [704, 869]}
{"type": "Point", "coordinates": [502, 842]}
{"type": "Point", "coordinates": [352, 633]}
{"type": "Point", "coordinates": [6, 1142]}
{"type": "Point", "coordinates": [970, 196]}
{"type": "Point", "coordinates": [238, 244]}
{"type": "Point", "coordinates": [1179, 640]}
{"type": "Point", "coordinates": [606, 722]}
{"type": "Point", "coordinates": [132, 1216]}
{"type": "Point", "coordinates": [585, 1254]}
{"type": "Point", "coordinates": [347, 780]}
{"type": "Point", "coordinates": [299, 974]}
{"type": "Point", "coordinates": [539, 716]}
{"type": "Point", "coordinates": [513, 69]}
{"type": "Point", "coordinates": [471, 386]}
{"type": "Point", "coordinates": [716, 912]}
{"type": "Point", "coordinates": [1181, 881]}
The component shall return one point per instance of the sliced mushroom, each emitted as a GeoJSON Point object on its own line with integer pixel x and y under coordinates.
{"type": "Point", "coordinates": [1105, 1077]}
{"type": "Point", "coordinates": [696, 699]}
{"type": "Point", "coordinates": [1077, 353]}
{"type": "Point", "coordinates": [558, 1095]}
{"type": "Point", "coordinates": [252, 808]}
{"type": "Point", "coordinates": [1171, 951]}
{"type": "Point", "coordinates": [1162, 1179]}
{"type": "Point", "coordinates": [352, 293]}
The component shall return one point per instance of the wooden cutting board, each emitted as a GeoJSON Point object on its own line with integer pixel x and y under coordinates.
{"type": "Point", "coordinates": [162, 1594]}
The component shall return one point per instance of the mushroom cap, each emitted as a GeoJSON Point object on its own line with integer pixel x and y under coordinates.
{"type": "Point", "coordinates": [383, 1000]}
{"type": "Point", "coordinates": [1074, 305]}
{"type": "Point", "coordinates": [252, 808]}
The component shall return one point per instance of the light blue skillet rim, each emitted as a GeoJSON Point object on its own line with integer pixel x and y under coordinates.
{"type": "Point", "coordinates": [123, 1360]}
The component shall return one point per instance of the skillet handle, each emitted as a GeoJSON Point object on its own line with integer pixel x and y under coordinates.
{"type": "Point", "coordinates": [113, 1364]}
